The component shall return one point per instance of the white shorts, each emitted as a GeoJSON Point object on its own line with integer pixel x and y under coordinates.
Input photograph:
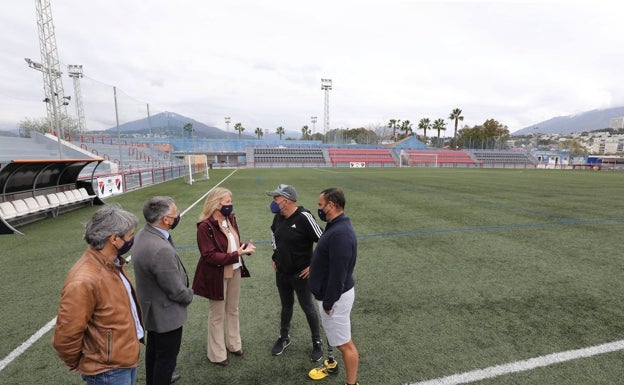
{"type": "Point", "coordinates": [338, 325]}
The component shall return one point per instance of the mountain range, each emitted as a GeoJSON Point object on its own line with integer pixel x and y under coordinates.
{"type": "Point", "coordinates": [170, 124]}
{"type": "Point", "coordinates": [583, 122]}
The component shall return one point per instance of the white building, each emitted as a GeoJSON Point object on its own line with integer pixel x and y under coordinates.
{"type": "Point", "coordinates": [617, 123]}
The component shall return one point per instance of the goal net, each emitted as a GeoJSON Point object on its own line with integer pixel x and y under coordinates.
{"type": "Point", "coordinates": [196, 168]}
{"type": "Point", "coordinates": [418, 159]}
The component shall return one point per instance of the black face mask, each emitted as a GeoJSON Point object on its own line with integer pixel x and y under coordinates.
{"type": "Point", "coordinates": [175, 222]}
{"type": "Point", "coordinates": [321, 214]}
{"type": "Point", "coordinates": [125, 248]}
{"type": "Point", "coordinates": [226, 210]}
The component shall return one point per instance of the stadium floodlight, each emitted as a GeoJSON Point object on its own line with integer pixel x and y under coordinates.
{"type": "Point", "coordinates": [53, 111]}
{"type": "Point", "coordinates": [227, 126]}
{"type": "Point", "coordinates": [326, 85]}
{"type": "Point", "coordinates": [313, 119]}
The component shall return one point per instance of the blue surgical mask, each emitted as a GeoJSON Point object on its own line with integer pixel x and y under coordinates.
{"type": "Point", "coordinates": [275, 209]}
{"type": "Point", "coordinates": [125, 248]}
{"type": "Point", "coordinates": [226, 210]}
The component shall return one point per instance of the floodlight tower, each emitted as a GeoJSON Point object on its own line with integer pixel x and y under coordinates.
{"type": "Point", "coordinates": [326, 85]}
{"type": "Point", "coordinates": [50, 67]}
{"type": "Point", "coordinates": [75, 72]}
{"type": "Point", "coordinates": [313, 119]}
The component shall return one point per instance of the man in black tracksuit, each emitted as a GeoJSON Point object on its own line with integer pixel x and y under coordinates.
{"type": "Point", "coordinates": [294, 231]}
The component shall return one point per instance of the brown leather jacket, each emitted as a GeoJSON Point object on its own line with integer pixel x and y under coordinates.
{"type": "Point", "coordinates": [95, 330]}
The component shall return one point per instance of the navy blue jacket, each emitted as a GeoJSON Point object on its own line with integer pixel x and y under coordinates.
{"type": "Point", "coordinates": [331, 270]}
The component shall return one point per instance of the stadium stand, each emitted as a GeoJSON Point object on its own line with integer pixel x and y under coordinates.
{"type": "Point", "coordinates": [504, 159]}
{"type": "Point", "coordinates": [369, 157]}
{"type": "Point", "coordinates": [438, 158]}
{"type": "Point", "coordinates": [283, 156]}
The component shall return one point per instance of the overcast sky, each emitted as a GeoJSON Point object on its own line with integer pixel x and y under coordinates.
{"type": "Point", "coordinates": [261, 62]}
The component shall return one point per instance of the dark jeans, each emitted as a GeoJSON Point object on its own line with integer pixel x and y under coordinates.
{"type": "Point", "coordinates": [161, 354]}
{"type": "Point", "coordinates": [287, 286]}
{"type": "Point", "coordinates": [112, 377]}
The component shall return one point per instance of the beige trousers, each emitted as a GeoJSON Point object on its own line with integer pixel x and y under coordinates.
{"type": "Point", "coordinates": [223, 325]}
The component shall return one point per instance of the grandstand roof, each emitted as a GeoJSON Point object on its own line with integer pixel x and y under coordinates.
{"type": "Point", "coordinates": [38, 147]}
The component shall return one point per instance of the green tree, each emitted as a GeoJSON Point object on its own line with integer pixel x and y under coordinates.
{"type": "Point", "coordinates": [239, 127]}
{"type": "Point", "coordinates": [406, 126]}
{"type": "Point", "coordinates": [188, 129]}
{"type": "Point", "coordinates": [393, 124]}
{"type": "Point", "coordinates": [280, 131]}
{"type": "Point", "coordinates": [439, 125]}
{"type": "Point", "coordinates": [305, 132]}
{"type": "Point", "coordinates": [43, 125]}
{"type": "Point", "coordinates": [259, 132]}
{"type": "Point", "coordinates": [485, 135]}
{"type": "Point", "coordinates": [424, 124]}
{"type": "Point", "coordinates": [456, 116]}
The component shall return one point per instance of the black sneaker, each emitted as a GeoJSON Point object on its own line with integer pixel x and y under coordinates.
{"type": "Point", "coordinates": [317, 351]}
{"type": "Point", "coordinates": [281, 344]}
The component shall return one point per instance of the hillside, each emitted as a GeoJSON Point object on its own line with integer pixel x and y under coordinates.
{"type": "Point", "coordinates": [170, 124]}
{"type": "Point", "coordinates": [585, 121]}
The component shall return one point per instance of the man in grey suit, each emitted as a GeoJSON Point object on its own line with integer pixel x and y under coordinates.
{"type": "Point", "coordinates": [162, 287]}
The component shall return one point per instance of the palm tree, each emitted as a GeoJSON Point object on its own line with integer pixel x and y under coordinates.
{"type": "Point", "coordinates": [406, 126]}
{"type": "Point", "coordinates": [424, 125]}
{"type": "Point", "coordinates": [239, 127]}
{"type": "Point", "coordinates": [394, 123]}
{"type": "Point", "coordinates": [305, 132]}
{"type": "Point", "coordinates": [456, 116]}
{"type": "Point", "coordinates": [259, 132]}
{"type": "Point", "coordinates": [188, 128]}
{"type": "Point", "coordinates": [280, 131]}
{"type": "Point", "coordinates": [439, 125]}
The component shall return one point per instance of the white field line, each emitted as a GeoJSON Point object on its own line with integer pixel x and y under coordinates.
{"type": "Point", "coordinates": [41, 332]}
{"type": "Point", "coordinates": [207, 192]}
{"type": "Point", "coordinates": [22, 348]}
{"type": "Point", "coordinates": [524, 365]}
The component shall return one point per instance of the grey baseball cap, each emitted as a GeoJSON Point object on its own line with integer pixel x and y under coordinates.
{"type": "Point", "coordinates": [284, 190]}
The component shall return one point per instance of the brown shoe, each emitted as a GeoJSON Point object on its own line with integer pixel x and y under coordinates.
{"type": "Point", "coordinates": [238, 353]}
{"type": "Point", "coordinates": [225, 362]}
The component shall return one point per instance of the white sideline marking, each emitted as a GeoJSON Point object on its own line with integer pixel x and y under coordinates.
{"type": "Point", "coordinates": [22, 348]}
{"type": "Point", "coordinates": [47, 327]}
{"type": "Point", "coordinates": [207, 192]}
{"type": "Point", "coordinates": [524, 365]}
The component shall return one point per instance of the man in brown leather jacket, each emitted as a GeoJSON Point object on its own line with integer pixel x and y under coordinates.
{"type": "Point", "coordinates": [98, 325]}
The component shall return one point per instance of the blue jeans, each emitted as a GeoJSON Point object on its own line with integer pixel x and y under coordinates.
{"type": "Point", "coordinates": [125, 376]}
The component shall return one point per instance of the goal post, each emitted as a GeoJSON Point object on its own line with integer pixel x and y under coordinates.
{"type": "Point", "coordinates": [196, 168]}
{"type": "Point", "coordinates": [418, 159]}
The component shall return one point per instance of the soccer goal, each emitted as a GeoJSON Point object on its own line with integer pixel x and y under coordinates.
{"type": "Point", "coordinates": [196, 168]}
{"type": "Point", "coordinates": [418, 159]}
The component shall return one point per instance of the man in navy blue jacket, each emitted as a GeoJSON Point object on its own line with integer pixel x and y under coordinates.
{"type": "Point", "coordinates": [331, 277]}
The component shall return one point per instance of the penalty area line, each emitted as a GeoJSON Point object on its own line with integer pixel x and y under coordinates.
{"type": "Point", "coordinates": [524, 365]}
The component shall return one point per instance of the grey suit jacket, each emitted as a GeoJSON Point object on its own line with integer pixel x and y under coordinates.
{"type": "Point", "coordinates": [161, 281]}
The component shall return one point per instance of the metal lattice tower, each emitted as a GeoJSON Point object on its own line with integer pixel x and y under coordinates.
{"type": "Point", "coordinates": [75, 72]}
{"type": "Point", "coordinates": [326, 85]}
{"type": "Point", "coordinates": [51, 69]}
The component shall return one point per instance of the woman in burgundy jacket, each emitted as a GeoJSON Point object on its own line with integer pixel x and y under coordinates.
{"type": "Point", "coordinates": [219, 272]}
